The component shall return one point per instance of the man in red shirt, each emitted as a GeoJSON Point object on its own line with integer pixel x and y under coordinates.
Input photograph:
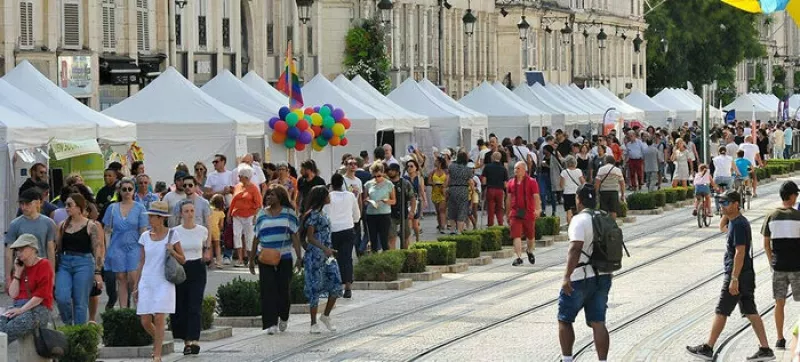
{"type": "Point", "coordinates": [524, 205]}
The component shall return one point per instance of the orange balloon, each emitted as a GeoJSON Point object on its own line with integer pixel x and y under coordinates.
{"type": "Point", "coordinates": [278, 137]}
{"type": "Point", "coordinates": [334, 141]}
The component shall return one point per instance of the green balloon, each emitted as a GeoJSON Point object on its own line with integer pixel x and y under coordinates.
{"type": "Point", "coordinates": [290, 143]}
{"type": "Point", "coordinates": [324, 111]}
{"type": "Point", "coordinates": [291, 119]}
{"type": "Point", "coordinates": [307, 118]}
{"type": "Point", "coordinates": [328, 122]}
{"type": "Point", "coordinates": [322, 142]}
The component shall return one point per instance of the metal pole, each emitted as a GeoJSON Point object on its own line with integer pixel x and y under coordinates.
{"type": "Point", "coordinates": [705, 105]}
{"type": "Point", "coordinates": [441, 43]}
{"type": "Point", "coordinates": [171, 21]}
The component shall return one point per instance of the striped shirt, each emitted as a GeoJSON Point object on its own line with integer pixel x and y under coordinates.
{"type": "Point", "coordinates": [782, 226]}
{"type": "Point", "coordinates": [274, 232]}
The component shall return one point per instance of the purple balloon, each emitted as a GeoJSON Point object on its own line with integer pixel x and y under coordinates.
{"type": "Point", "coordinates": [272, 122]}
{"type": "Point", "coordinates": [338, 114]}
{"type": "Point", "coordinates": [327, 133]}
{"type": "Point", "coordinates": [305, 138]}
{"type": "Point", "coordinates": [316, 109]}
{"type": "Point", "coordinates": [329, 106]}
{"type": "Point", "coordinates": [292, 133]}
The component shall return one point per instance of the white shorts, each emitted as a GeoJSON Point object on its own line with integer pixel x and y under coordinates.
{"type": "Point", "coordinates": [243, 225]}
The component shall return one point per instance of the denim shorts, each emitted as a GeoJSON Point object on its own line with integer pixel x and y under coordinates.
{"type": "Point", "coordinates": [702, 190]}
{"type": "Point", "coordinates": [590, 294]}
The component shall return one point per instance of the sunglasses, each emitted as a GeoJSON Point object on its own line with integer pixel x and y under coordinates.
{"type": "Point", "coordinates": [724, 202]}
{"type": "Point", "coordinates": [126, 189]}
{"type": "Point", "coordinates": [199, 169]}
{"type": "Point", "coordinates": [143, 183]}
{"type": "Point", "coordinates": [215, 161]}
{"type": "Point", "coordinates": [352, 163]}
{"type": "Point", "coordinates": [188, 185]}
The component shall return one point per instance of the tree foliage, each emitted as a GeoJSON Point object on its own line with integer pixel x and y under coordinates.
{"type": "Point", "coordinates": [365, 54]}
{"type": "Point", "coordinates": [779, 81]}
{"type": "Point", "coordinates": [698, 41]}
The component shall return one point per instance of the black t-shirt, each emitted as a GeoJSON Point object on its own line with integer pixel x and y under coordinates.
{"type": "Point", "coordinates": [408, 189]}
{"type": "Point", "coordinates": [496, 175]}
{"type": "Point", "coordinates": [363, 175]}
{"type": "Point", "coordinates": [738, 234]}
{"type": "Point", "coordinates": [564, 148]}
{"type": "Point", "coordinates": [304, 186]}
{"type": "Point", "coordinates": [487, 159]}
{"type": "Point", "coordinates": [29, 183]}
{"type": "Point", "coordinates": [738, 139]}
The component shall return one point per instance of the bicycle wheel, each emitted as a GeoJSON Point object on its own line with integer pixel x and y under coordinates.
{"type": "Point", "coordinates": [747, 200]}
{"type": "Point", "coordinates": [699, 211]}
{"type": "Point", "coordinates": [706, 218]}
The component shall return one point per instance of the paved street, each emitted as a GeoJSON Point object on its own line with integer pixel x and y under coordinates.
{"type": "Point", "coordinates": [662, 300]}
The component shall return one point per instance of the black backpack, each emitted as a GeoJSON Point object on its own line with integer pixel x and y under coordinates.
{"type": "Point", "coordinates": [607, 245]}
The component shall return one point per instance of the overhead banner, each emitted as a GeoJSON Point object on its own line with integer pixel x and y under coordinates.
{"type": "Point", "coordinates": [68, 149]}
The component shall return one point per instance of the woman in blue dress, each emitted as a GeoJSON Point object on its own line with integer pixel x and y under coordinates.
{"type": "Point", "coordinates": [125, 221]}
{"type": "Point", "coordinates": [322, 276]}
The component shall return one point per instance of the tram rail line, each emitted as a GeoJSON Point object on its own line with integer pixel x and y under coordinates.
{"type": "Point", "coordinates": [722, 349]}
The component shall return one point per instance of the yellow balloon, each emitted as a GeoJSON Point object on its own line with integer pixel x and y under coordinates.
{"type": "Point", "coordinates": [338, 129]}
{"type": "Point", "coordinates": [316, 119]}
{"type": "Point", "coordinates": [316, 146]}
{"type": "Point", "coordinates": [299, 113]}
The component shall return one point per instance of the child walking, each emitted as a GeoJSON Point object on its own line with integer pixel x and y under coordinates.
{"type": "Point", "coordinates": [215, 227]}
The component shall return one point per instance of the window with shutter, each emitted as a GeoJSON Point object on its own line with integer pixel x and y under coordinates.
{"type": "Point", "coordinates": [26, 25]}
{"type": "Point", "coordinates": [109, 25]}
{"type": "Point", "coordinates": [202, 31]}
{"type": "Point", "coordinates": [142, 25]}
{"type": "Point", "coordinates": [226, 23]}
{"type": "Point", "coordinates": [71, 24]}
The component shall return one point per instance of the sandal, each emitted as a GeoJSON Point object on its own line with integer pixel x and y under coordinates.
{"type": "Point", "coordinates": [195, 349]}
{"type": "Point", "coordinates": [187, 350]}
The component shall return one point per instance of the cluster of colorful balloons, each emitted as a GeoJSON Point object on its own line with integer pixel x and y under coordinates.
{"type": "Point", "coordinates": [318, 126]}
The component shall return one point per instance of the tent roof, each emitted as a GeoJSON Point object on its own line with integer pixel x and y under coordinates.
{"type": "Point", "coordinates": [319, 91]}
{"type": "Point", "coordinates": [18, 128]}
{"type": "Point", "coordinates": [64, 124]}
{"type": "Point", "coordinates": [546, 114]}
{"type": "Point", "coordinates": [171, 98]}
{"type": "Point", "coordinates": [642, 101]}
{"type": "Point", "coordinates": [25, 77]}
{"type": "Point", "coordinates": [628, 111]}
{"type": "Point", "coordinates": [668, 98]}
{"type": "Point", "coordinates": [263, 88]}
{"type": "Point", "coordinates": [562, 104]}
{"type": "Point", "coordinates": [411, 96]}
{"type": "Point", "coordinates": [420, 121]}
{"type": "Point", "coordinates": [401, 124]}
{"type": "Point", "coordinates": [595, 112]}
{"type": "Point", "coordinates": [746, 103]}
{"type": "Point", "coordinates": [497, 107]}
{"type": "Point", "coordinates": [477, 120]}
{"type": "Point", "coordinates": [228, 89]}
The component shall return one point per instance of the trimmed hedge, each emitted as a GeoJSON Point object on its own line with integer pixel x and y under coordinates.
{"type": "Point", "coordinates": [439, 252]}
{"type": "Point", "coordinates": [297, 284]}
{"type": "Point", "coordinates": [660, 198]}
{"type": "Point", "coordinates": [207, 312]}
{"type": "Point", "coordinates": [549, 225]}
{"type": "Point", "coordinates": [83, 343]}
{"type": "Point", "coordinates": [791, 165]}
{"type": "Point", "coordinates": [491, 239]}
{"type": "Point", "coordinates": [122, 328]}
{"type": "Point", "coordinates": [467, 246]}
{"type": "Point", "coordinates": [381, 267]}
{"type": "Point", "coordinates": [670, 195]}
{"type": "Point", "coordinates": [239, 298]}
{"type": "Point", "coordinates": [642, 201]}
{"type": "Point", "coordinates": [506, 234]}
{"type": "Point", "coordinates": [415, 260]}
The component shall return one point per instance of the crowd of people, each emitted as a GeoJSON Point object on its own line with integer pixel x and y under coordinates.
{"type": "Point", "coordinates": [262, 215]}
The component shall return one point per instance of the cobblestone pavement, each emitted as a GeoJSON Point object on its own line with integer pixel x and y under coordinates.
{"type": "Point", "coordinates": [662, 300]}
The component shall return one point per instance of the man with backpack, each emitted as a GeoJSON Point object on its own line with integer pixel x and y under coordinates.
{"type": "Point", "coordinates": [739, 284]}
{"type": "Point", "coordinates": [595, 252]}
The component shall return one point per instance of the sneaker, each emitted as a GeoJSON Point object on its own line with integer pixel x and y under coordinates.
{"type": "Point", "coordinates": [282, 325]}
{"type": "Point", "coordinates": [326, 320]}
{"type": "Point", "coordinates": [226, 261]}
{"type": "Point", "coordinates": [703, 351]}
{"type": "Point", "coordinates": [517, 262]}
{"type": "Point", "coordinates": [781, 343]}
{"type": "Point", "coordinates": [315, 329]}
{"type": "Point", "coordinates": [531, 258]}
{"type": "Point", "coordinates": [348, 294]}
{"type": "Point", "coordinates": [272, 330]}
{"type": "Point", "coordinates": [763, 354]}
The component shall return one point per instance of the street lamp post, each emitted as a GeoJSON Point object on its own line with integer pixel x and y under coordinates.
{"type": "Point", "coordinates": [385, 7]}
{"type": "Point", "coordinates": [601, 44]}
{"type": "Point", "coordinates": [443, 4]}
{"type": "Point", "coordinates": [523, 27]}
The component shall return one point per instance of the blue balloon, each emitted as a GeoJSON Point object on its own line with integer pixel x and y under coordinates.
{"type": "Point", "coordinates": [283, 112]}
{"type": "Point", "coordinates": [329, 106]}
{"type": "Point", "coordinates": [327, 133]}
{"type": "Point", "coordinates": [316, 109]}
{"type": "Point", "coordinates": [293, 133]}
{"type": "Point", "coordinates": [272, 122]}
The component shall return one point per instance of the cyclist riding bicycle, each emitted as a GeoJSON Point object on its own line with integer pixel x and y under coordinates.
{"type": "Point", "coordinates": [702, 188]}
{"type": "Point", "coordinates": [751, 153]}
{"type": "Point", "coordinates": [723, 170]}
{"type": "Point", "coordinates": [743, 168]}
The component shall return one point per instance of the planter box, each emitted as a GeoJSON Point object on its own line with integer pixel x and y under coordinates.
{"type": "Point", "coordinates": [667, 207]}
{"type": "Point", "coordinates": [453, 268]}
{"type": "Point", "coordinates": [546, 240]}
{"type": "Point", "coordinates": [393, 285]}
{"type": "Point", "coordinates": [216, 333]}
{"type": "Point", "coordinates": [427, 276]}
{"type": "Point", "coordinates": [481, 260]}
{"type": "Point", "coordinates": [238, 322]}
{"type": "Point", "coordinates": [135, 352]}
{"type": "Point", "coordinates": [561, 237]}
{"type": "Point", "coordinates": [629, 219]}
{"type": "Point", "coordinates": [505, 253]}
{"type": "Point", "coordinates": [656, 211]}
{"type": "Point", "coordinates": [21, 350]}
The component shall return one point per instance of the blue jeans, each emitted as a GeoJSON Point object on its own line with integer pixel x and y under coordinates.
{"type": "Point", "coordinates": [787, 152]}
{"type": "Point", "coordinates": [589, 294]}
{"type": "Point", "coordinates": [545, 192]}
{"type": "Point", "coordinates": [73, 284]}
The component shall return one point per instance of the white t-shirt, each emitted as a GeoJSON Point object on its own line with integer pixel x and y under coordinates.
{"type": "Point", "coordinates": [192, 240]}
{"type": "Point", "coordinates": [748, 131]}
{"type": "Point", "coordinates": [353, 185]}
{"type": "Point", "coordinates": [722, 166]}
{"type": "Point", "coordinates": [342, 211]}
{"type": "Point", "coordinates": [217, 181]}
{"type": "Point", "coordinates": [750, 151]}
{"type": "Point", "coordinates": [571, 180]}
{"type": "Point", "coordinates": [580, 229]}
{"type": "Point", "coordinates": [521, 153]}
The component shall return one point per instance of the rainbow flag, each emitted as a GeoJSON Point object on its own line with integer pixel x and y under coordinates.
{"type": "Point", "coordinates": [288, 82]}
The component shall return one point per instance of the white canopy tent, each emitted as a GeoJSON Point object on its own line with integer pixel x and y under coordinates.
{"type": "Point", "coordinates": [228, 89]}
{"type": "Point", "coordinates": [63, 125]}
{"type": "Point", "coordinates": [595, 112]}
{"type": "Point", "coordinates": [769, 101]}
{"type": "Point", "coordinates": [418, 120]}
{"type": "Point", "coordinates": [479, 122]}
{"type": "Point", "coordinates": [263, 88]}
{"type": "Point", "coordinates": [582, 116]}
{"type": "Point", "coordinates": [628, 111]}
{"type": "Point", "coordinates": [506, 117]}
{"type": "Point", "coordinates": [714, 113]}
{"type": "Point", "coordinates": [365, 123]}
{"type": "Point", "coordinates": [446, 123]}
{"type": "Point", "coordinates": [654, 113]}
{"type": "Point", "coordinates": [746, 106]}
{"type": "Point", "coordinates": [108, 130]}
{"type": "Point", "coordinates": [547, 114]}
{"type": "Point", "coordinates": [559, 118]}
{"type": "Point", "coordinates": [178, 122]}
{"type": "Point", "coordinates": [685, 111]}
{"type": "Point", "coordinates": [400, 124]}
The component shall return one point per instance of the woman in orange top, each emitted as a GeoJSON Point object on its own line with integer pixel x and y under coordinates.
{"type": "Point", "coordinates": [244, 205]}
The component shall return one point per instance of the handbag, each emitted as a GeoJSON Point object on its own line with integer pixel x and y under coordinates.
{"type": "Point", "coordinates": [173, 270]}
{"type": "Point", "coordinates": [49, 343]}
{"type": "Point", "coordinates": [269, 256]}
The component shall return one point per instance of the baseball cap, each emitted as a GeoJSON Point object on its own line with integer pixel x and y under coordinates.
{"type": "Point", "coordinates": [393, 167]}
{"type": "Point", "coordinates": [730, 196]}
{"type": "Point", "coordinates": [30, 194]}
{"type": "Point", "coordinates": [788, 188]}
{"type": "Point", "coordinates": [25, 240]}
{"type": "Point", "coordinates": [179, 175]}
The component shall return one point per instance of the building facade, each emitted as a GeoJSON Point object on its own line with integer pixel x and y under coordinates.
{"type": "Point", "coordinates": [780, 36]}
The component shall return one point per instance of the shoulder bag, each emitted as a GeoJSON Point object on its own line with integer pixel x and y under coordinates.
{"type": "Point", "coordinates": [269, 256]}
{"type": "Point", "coordinates": [173, 270]}
{"type": "Point", "coordinates": [521, 212]}
{"type": "Point", "coordinates": [49, 343]}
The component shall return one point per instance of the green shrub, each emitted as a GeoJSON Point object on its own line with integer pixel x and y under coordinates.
{"type": "Point", "coordinates": [122, 328]}
{"type": "Point", "coordinates": [207, 313]}
{"type": "Point", "coordinates": [670, 195]}
{"type": "Point", "coordinates": [761, 173]}
{"type": "Point", "coordinates": [491, 239]}
{"type": "Point", "coordinates": [83, 340]}
{"type": "Point", "coordinates": [297, 285]}
{"type": "Point", "coordinates": [382, 267]}
{"type": "Point", "coordinates": [680, 192]}
{"type": "Point", "coordinates": [548, 225]}
{"type": "Point", "coordinates": [641, 201]}
{"type": "Point", "coordinates": [439, 252]}
{"type": "Point", "coordinates": [467, 246]}
{"type": "Point", "coordinates": [660, 198]}
{"type": "Point", "coordinates": [791, 165]}
{"type": "Point", "coordinates": [415, 260]}
{"type": "Point", "coordinates": [239, 298]}
{"type": "Point", "coordinates": [506, 234]}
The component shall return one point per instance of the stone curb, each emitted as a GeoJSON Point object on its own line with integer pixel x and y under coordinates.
{"type": "Point", "coordinates": [239, 322]}
{"type": "Point", "coordinates": [392, 285]}
{"type": "Point", "coordinates": [545, 241]}
{"type": "Point", "coordinates": [216, 333]}
{"type": "Point", "coordinates": [656, 211]}
{"type": "Point", "coordinates": [135, 352]}
{"type": "Point", "coordinates": [499, 254]}
{"type": "Point", "coordinates": [427, 276]}
{"type": "Point", "coordinates": [481, 260]}
{"type": "Point", "coordinates": [452, 268]}
{"type": "Point", "coordinates": [629, 219]}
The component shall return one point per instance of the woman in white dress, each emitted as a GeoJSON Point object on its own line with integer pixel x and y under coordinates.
{"type": "Point", "coordinates": [681, 159]}
{"type": "Point", "coordinates": [153, 294]}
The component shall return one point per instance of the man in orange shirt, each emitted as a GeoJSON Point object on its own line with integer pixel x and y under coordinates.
{"type": "Point", "coordinates": [244, 205]}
